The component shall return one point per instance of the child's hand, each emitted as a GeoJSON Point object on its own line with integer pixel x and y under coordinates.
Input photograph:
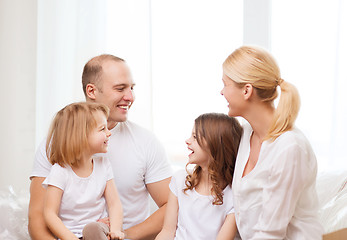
{"type": "Point", "coordinates": [117, 235]}
{"type": "Point", "coordinates": [105, 220]}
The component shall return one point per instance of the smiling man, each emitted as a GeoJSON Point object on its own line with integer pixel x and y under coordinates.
{"type": "Point", "coordinates": [138, 160]}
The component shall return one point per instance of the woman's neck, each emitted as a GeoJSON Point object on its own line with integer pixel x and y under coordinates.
{"type": "Point", "coordinates": [260, 117]}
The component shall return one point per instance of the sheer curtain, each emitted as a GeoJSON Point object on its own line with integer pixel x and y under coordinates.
{"type": "Point", "coordinates": [190, 41]}
{"type": "Point", "coordinates": [69, 33]}
{"type": "Point", "coordinates": [72, 32]}
{"type": "Point", "coordinates": [175, 51]}
{"type": "Point", "coordinates": [309, 41]}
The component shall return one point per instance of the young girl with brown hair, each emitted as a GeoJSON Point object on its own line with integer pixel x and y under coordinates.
{"type": "Point", "coordinates": [200, 204]}
{"type": "Point", "coordinates": [80, 186]}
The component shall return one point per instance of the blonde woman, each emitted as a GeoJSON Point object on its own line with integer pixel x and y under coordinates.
{"type": "Point", "coordinates": [275, 173]}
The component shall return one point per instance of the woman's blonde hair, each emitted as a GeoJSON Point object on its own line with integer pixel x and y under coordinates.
{"type": "Point", "coordinates": [68, 135]}
{"type": "Point", "coordinates": [219, 135]}
{"type": "Point", "coordinates": [255, 66]}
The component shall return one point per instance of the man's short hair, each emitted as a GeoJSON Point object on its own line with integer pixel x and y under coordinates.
{"type": "Point", "coordinates": [92, 71]}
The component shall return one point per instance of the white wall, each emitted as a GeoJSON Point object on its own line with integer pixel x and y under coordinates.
{"type": "Point", "coordinates": [18, 75]}
{"type": "Point", "coordinates": [256, 22]}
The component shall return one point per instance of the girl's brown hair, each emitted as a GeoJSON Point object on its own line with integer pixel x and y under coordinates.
{"type": "Point", "coordinates": [254, 65]}
{"type": "Point", "coordinates": [220, 136]}
{"type": "Point", "coordinates": [68, 135]}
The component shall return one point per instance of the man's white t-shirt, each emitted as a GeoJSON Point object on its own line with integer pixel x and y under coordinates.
{"type": "Point", "coordinates": [83, 199]}
{"type": "Point", "coordinates": [137, 158]}
{"type": "Point", "coordinates": [277, 199]}
{"type": "Point", "coordinates": [198, 218]}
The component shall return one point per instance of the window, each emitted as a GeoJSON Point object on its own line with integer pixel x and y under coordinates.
{"type": "Point", "coordinates": [308, 41]}
{"type": "Point", "coordinates": [175, 50]}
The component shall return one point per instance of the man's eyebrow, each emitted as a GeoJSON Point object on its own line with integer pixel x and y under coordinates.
{"type": "Point", "coordinates": [124, 85]}
{"type": "Point", "coordinates": [120, 85]}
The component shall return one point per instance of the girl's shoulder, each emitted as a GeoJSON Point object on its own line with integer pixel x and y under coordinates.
{"type": "Point", "coordinates": [178, 178]}
{"type": "Point", "coordinates": [57, 168]}
{"type": "Point", "coordinates": [59, 172]}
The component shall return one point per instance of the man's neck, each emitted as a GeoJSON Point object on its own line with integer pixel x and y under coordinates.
{"type": "Point", "coordinates": [111, 124]}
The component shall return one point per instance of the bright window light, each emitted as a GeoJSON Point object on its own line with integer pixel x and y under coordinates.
{"type": "Point", "coordinates": [175, 50]}
{"type": "Point", "coordinates": [307, 40]}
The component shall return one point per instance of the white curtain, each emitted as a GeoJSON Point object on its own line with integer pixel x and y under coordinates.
{"type": "Point", "coordinates": [190, 41]}
{"type": "Point", "coordinates": [69, 34]}
{"type": "Point", "coordinates": [175, 50]}
{"type": "Point", "coordinates": [309, 41]}
{"type": "Point", "coordinates": [18, 76]}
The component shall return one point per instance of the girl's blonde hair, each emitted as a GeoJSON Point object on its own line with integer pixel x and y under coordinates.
{"type": "Point", "coordinates": [255, 66]}
{"type": "Point", "coordinates": [220, 136]}
{"type": "Point", "coordinates": [68, 135]}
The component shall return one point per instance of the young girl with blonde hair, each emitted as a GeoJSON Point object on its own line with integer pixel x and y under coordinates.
{"type": "Point", "coordinates": [200, 204]}
{"type": "Point", "coordinates": [275, 173]}
{"type": "Point", "coordinates": [80, 186]}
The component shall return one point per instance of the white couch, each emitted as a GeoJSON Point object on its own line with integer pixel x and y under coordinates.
{"type": "Point", "coordinates": [331, 188]}
{"type": "Point", "coordinates": [332, 193]}
{"type": "Point", "coordinates": [14, 214]}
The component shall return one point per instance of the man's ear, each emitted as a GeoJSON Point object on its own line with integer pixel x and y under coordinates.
{"type": "Point", "coordinates": [247, 91]}
{"type": "Point", "coordinates": [91, 91]}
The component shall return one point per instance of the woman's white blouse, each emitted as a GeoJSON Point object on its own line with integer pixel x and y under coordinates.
{"type": "Point", "coordinates": [277, 199]}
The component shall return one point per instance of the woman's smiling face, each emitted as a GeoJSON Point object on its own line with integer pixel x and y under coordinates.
{"type": "Point", "coordinates": [233, 94]}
